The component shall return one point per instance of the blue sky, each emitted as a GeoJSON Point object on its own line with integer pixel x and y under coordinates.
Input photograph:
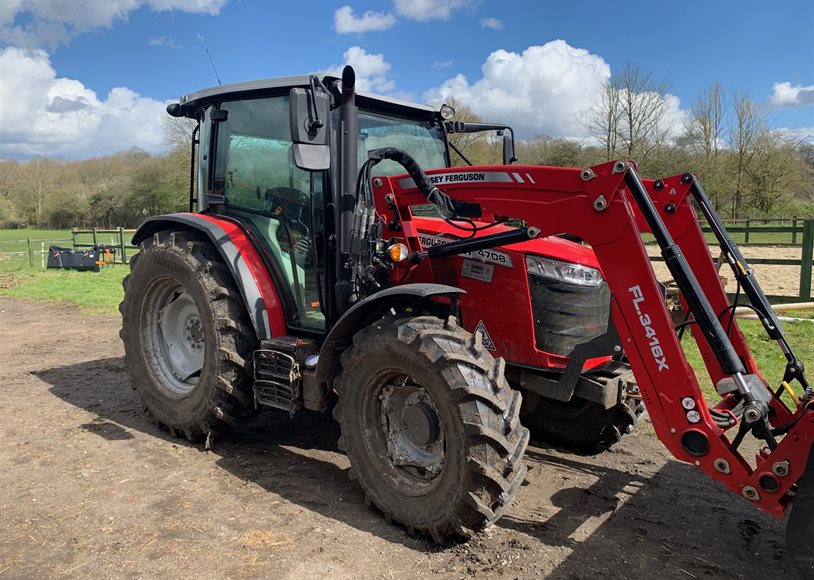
{"type": "Point", "coordinates": [91, 77]}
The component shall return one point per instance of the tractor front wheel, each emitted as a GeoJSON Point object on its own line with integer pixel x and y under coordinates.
{"type": "Point", "coordinates": [186, 336]}
{"type": "Point", "coordinates": [430, 425]}
{"type": "Point", "coordinates": [579, 425]}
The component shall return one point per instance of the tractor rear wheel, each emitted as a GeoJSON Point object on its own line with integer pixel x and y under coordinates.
{"type": "Point", "coordinates": [186, 336]}
{"type": "Point", "coordinates": [430, 425]}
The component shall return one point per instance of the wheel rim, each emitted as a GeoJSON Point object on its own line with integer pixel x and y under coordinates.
{"type": "Point", "coordinates": [175, 335]}
{"type": "Point", "coordinates": [412, 429]}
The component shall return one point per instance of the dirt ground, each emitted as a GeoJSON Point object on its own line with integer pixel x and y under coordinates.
{"type": "Point", "coordinates": [89, 487]}
{"type": "Point", "coordinates": [775, 280]}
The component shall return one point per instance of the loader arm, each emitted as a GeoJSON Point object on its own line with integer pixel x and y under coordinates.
{"type": "Point", "coordinates": [608, 207]}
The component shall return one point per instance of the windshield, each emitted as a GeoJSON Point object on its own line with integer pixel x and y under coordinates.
{"type": "Point", "coordinates": [422, 140]}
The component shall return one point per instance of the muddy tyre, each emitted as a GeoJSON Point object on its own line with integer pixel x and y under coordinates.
{"type": "Point", "coordinates": [579, 425]}
{"type": "Point", "coordinates": [187, 336]}
{"type": "Point", "coordinates": [430, 426]}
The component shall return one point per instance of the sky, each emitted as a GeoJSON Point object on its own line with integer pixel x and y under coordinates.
{"type": "Point", "coordinates": [88, 78]}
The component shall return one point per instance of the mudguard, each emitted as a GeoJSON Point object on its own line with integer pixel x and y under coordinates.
{"type": "Point", "coordinates": [366, 312]}
{"type": "Point", "coordinates": [240, 256]}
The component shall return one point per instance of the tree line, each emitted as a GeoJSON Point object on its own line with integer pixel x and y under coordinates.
{"type": "Point", "coordinates": [748, 168]}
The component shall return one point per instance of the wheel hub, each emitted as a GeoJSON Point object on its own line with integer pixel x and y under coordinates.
{"type": "Point", "coordinates": [177, 336]}
{"type": "Point", "coordinates": [413, 429]}
{"type": "Point", "coordinates": [193, 333]}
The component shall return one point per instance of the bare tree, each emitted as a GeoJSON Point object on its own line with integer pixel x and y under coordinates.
{"type": "Point", "coordinates": [39, 178]}
{"type": "Point", "coordinates": [629, 117]}
{"type": "Point", "coordinates": [604, 119]}
{"type": "Point", "coordinates": [643, 105]}
{"type": "Point", "coordinates": [177, 132]}
{"type": "Point", "coordinates": [746, 127]}
{"type": "Point", "coordinates": [704, 133]}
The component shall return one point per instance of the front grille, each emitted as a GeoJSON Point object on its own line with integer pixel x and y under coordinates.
{"type": "Point", "coordinates": [566, 315]}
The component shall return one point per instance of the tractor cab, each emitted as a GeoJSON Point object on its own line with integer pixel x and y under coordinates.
{"type": "Point", "coordinates": [254, 166]}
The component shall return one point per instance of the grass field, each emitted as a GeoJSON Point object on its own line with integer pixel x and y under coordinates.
{"type": "Point", "coordinates": [767, 354]}
{"type": "Point", "coordinates": [100, 293]}
{"type": "Point", "coordinates": [46, 235]}
{"type": "Point", "coordinates": [96, 293]}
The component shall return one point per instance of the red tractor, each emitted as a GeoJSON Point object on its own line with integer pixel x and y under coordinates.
{"type": "Point", "coordinates": [334, 260]}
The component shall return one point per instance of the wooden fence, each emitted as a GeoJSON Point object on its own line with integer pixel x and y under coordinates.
{"type": "Point", "coordinates": [799, 232]}
{"type": "Point", "coordinates": [118, 239]}
{"type": "Point", "coordinates": [763, 231]}
{"type": "Point", "coordinates": [802, 230]}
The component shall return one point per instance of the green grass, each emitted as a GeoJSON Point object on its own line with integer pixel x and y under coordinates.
{"type": "Point", "coordinates": [767, 355]}
{"type": "Point", "coordinates": [94, 293]}
{"type": "Point", "coordinates": [755, 238]}
{"type": "Point", "coordinates": [6, 235]}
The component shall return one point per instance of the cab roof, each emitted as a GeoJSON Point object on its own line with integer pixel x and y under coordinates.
{"type": "Point", "coordinates": [257, 87]}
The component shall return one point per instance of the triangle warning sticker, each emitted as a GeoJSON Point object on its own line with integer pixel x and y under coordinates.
{"type": "Point", "coordinates": [486, 340]}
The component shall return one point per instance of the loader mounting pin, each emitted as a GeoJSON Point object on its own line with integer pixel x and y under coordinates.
{"type": "Point", "coordinates": [658, 184]}
{"type": "Point", "coordinates": [686, 178]}
{"type": "Point", "coordinates": [781, 468]}
{"type": "Point", "coordinates": [600, 203]}
{"type": "Point", "coordinates": [750, 493]}
{"type": "Point", "coordinates": [722, 465]}
{"type": "Point", "coordinates": [619, 167]}
{"type": "Point", "coordinates": [587, 174]}
{"type": "Point", "coordinates": [752, 414]}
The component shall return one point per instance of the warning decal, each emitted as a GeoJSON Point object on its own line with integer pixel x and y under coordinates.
{"type": "Point", "coordinates": [486, 340]}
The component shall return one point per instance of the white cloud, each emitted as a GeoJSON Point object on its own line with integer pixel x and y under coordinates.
{"type": "Point", "coordinates": [43, 114]}
{"type": "Point", "coordinates": [788, 95]}
{"type": "Point", "coordinates": [423, 10]}
{"type": "Point", "coordinates": [492, 23]}
{"type": "Point", "coordinates": [371, 70]}
{"type": "Point", "coordinates": [442, 64]}
{"type": "Point", "coordinates": [345, 21]}
{"type": "Point", "coordinates": [541, 91]}
{"type": "Point", "coordinates": [167, 41]}
{"type": "Point", "coordinates": [52, 22]}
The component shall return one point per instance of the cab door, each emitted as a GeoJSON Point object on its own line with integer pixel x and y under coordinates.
{"type": "Point", "coordinates": [252, 167]}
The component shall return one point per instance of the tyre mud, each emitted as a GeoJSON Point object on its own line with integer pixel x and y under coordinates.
{"type": "Point", "coordinates": [465, 469]}
{"type": "Point", "coordinates": [178, 288]}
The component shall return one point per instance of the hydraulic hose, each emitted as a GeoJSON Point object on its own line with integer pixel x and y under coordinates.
{"type": "Point", "coordinates": [425, 186]}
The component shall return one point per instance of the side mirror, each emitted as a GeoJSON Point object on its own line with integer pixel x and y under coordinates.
{"type": "Point", "coordinates": [508, 146]}
{"type": "Point", "coordinates": [310, 114]}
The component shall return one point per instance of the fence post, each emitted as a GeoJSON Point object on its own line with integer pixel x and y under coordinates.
{"type": "Point", "coordinates": [746, 235]}
{"type": "Point", "coordinates": [794, 231]}
{"type": "Point", "coordinates": [94, 236]}
{"type": "Point", "coordinates": [807, 256]}
{"type": "Point", "coordinates": [121, 244]}
{"type": "Point", "coordinates": [30, 254]}
{"type": "Point", "coordinates": [73, 237]}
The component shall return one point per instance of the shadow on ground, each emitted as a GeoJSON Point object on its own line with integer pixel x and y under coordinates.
{"type": "Point", "coordinates": [671, 523]}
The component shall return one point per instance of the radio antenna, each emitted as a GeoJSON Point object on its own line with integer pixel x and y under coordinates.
{"type": "Point", "coordinates": [213, 65]}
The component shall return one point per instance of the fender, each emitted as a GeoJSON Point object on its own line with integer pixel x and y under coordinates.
{"type": "Point", "coordinates": [240, 256]}
{"type": "Point", "coordinates": [366, 312]}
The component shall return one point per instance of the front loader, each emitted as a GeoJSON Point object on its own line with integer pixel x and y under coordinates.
{"type": "Point", "coordinates": [334, 261]}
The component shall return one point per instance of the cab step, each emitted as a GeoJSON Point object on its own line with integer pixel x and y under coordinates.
{"type": "Point", "coordinates": [277, 372]}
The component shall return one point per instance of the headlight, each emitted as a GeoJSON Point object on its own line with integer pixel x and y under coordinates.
{"type": "Point", "coordinates": [447, 112]}
{"type": "Point", "coordinates": [563, 271]}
